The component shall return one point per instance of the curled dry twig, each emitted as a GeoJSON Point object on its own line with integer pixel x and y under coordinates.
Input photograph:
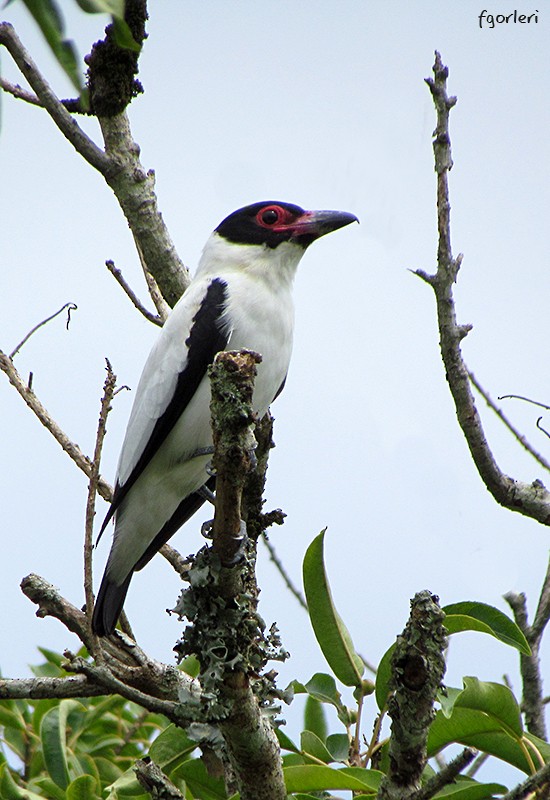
{"type": "Point", "coordinates": [69, 306]}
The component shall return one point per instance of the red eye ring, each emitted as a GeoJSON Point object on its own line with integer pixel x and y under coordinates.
{"type": "Point", "coordinates": [269, 216]}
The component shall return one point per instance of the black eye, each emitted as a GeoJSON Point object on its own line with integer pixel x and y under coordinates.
{"type": "Point", "coordinates": [270, 217]}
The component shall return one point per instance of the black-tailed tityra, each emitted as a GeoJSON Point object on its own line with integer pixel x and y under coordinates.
{"type": "Point", "coordinates": [239, 298]}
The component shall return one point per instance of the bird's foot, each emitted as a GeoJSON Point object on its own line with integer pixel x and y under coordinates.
{"type": "Point", "coordinates": [206, 494]}
{"type": "Point", "coordinates": [240, 540]}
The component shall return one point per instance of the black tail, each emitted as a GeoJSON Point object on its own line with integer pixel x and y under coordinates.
{"type": "Point", "coordinates": [108, 605]}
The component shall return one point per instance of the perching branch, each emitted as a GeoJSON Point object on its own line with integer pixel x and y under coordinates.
{"type": "Point", "coordinates": [418, 667]}
{"type": "Point", "coordinates": [73, 450]}
{"type": "Point", "coordinates": [225, 633]}
{"type": "Point", "coordinates": [532, 500]}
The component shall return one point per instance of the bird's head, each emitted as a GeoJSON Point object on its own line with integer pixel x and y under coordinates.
{"type": "Point", "coordinates": [267, 240]}
{"type": "Point", "coordinates": [271, 223]}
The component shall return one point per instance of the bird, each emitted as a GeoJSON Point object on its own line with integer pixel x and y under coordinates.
{"type": "Point", "coordinates": [240, 297]}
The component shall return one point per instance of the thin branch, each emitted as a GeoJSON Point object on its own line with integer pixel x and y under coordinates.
{"type": "Point", "coordinates": [539, 780]}
{"type": "Point", "coordinates": [69, 306]}
{"type": "Point", "coordinates": [73, 450]}
{"type": "Point", "coordinates": [108, 392]}
{"type": "Point", "coordinates": [447, 775]}
{"type": "Point", "coordinates": [68, 126]}
{"type": "Point", "coordinates": [284, 574]}
{"type": "Point", "coordinates": [526, 399]}
{"type": "Point", "coordinates": [175, 559]}
{"type": "Point", "coordinates": [542, 615]}
{"type": "Point", "coordinates": [159, 302]}
{"type": "Point", "coordinates": [118, 276]}
{"type": "Point", "coordinates": [19, 93]}
{"type": "Point", "coordinates": [532, 701]}
{"type": "Point", "coordinates": [532, 500]}
{"type": "Point", "coordinates": [500, 414]}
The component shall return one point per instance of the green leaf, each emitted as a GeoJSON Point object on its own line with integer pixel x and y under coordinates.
{"type": "Point", "coordinates": [314, 717]}
{"type": "Point", "coordinates": [123, 35]}
{"type": "Point", "coordinates": [494, 699]}
{"type": "Point", "coordinates": [323, 688]}
{"type": "Point", "coordinates": [338, 746]}
{"type": "Point", "coordinates": [286, 742]}
{"type": "Point", "coordinates": [331, 633]}
{"type": "Point", "coordinates": [10, 790]}
{"type": "Point", "coordinates": [472, 616]}
{"type": "Point", "coordinates": [313, 778]}
{"type": "Point", "coordinates": [83, 788]}
{"type": "Point", "coordinates": [48, 17]}
{"type": "Point", "coordinates": [171, 747]}
{"type": "Point", "coordinates": [468, 789]}
{"type": "Point", "coordinates": [53, 733]}
{"type": "Point", "coordinates": [311, 745]}
{"type": "Point", "coordinates": [474, 728]}
{"type": "Point", "coordinates": [200, 783]}
{"type": "Point", "coordinates": [383, 678]}
{"type": "Point", "coordinates": [113, 7]}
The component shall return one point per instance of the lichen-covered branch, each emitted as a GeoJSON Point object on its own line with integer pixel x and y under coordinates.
{"type": "Point", "coordinates": [155, 782]}
{"type": "Point", "coordinates": [418, 667]}
{"type": "Point", "coordinates": [226, 633]}
{"type": "Point", "coordinates": [530, 499]}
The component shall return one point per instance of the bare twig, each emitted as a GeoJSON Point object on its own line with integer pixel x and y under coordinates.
{"type": "Point", "coordinates": [284, 574]}
{"type": "Point", "coordinates": [160, 303]}
{"type": "Point", "coordinates": [118, 276]}
{"type": "Point", "coordinates": [532, 500]}
{"type": "Point", "coordinates": [108, 391]}
{"type": "Point", "coordinates": [447, 775]}
{"type": "Point", "coordinates": [69, 306]}
{"type": "Point", "coordinates": [73, 450]}
{"type": "Point", "coordinates": [68, 126]}
{"type": "Point", "coordinates": [526, 399]}
{"type": "Point", "coordinates": [500, 414]}
{"type": "Point", "coordinates": [18, 92]}
{"type": "Point", "coordinates": [82, 461]}
{"type": "Point", "coordinates": [175, 559]}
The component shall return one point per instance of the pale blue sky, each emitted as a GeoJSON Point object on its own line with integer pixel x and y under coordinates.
{"type": "Point", "coordinates": [322, 105]}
